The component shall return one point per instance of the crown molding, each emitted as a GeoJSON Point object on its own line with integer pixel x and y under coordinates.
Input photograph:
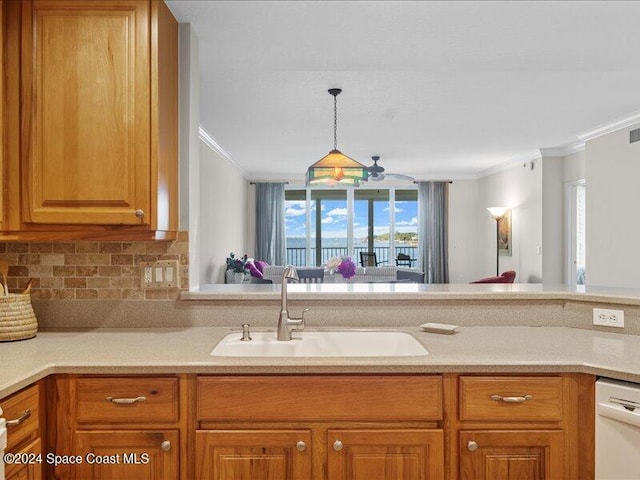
{"type": "Point", "coordinates": [512, 162]}
{"type": "Point", "coordinates": [211, 142]}
{"type": "Point", "coordinates": [563, 150]}
{"type": "Point", "coordinates": [610, 127]}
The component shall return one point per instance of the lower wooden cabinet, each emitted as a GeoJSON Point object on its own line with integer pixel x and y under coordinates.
{"type": "Point", "coordinates": [22, 411]}
{"type": "Point", "coordinates": [381, 454]}
{"type": "Point", "coordinates": [30, 468]}
{"type": "Point", "coordinates": [253, 454]}
{"type": "Point", "coordinates": [313, 427]}
{"type": "Point", "coordinates": [512, 454]}
{"type": "Point", "coordinates": [114, 455]}
{"type": "Point", "coordinates": [123, 428]}
{"type": "Point", "coordinates": [385, 454]}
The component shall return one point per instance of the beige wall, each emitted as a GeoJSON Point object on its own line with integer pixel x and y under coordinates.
{"type": "Point", "coordinates": [553, 256]}
{"type": "Point", "coordinates": [613, 198]}
{"type": "Point", "coordinates": [223, 214]}
{"type": "Point", "coordinates": [520, 189]}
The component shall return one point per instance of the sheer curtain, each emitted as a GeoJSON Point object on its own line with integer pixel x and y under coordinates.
{"type": "Point", "coordinates": [433, 256]}
{"type": "Point", "coordinates": [270, 236]}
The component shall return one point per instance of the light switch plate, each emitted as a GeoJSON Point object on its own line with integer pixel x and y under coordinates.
{"type": "Point", "coordinates": [159, 274]}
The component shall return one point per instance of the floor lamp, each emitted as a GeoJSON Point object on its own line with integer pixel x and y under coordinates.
{"type": "Point", "coordinates": [497, 213]}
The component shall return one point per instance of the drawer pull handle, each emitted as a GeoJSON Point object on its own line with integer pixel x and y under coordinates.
{"type": "Point", "coordinates": [499, 398]}
{"type": "Point", "coordinates": [125, 401]}
{"type": "Point", "coordinates": [139, 213]}
{"type": "Point", "coordinates": [12, 423]}
{"type": "Point", "coordinates": [165, 446]}
{"type": "Point", "coordinates": [472, 446]}
{"type": "Point", "coordinates": [337, 445]}
{"type": "Point", "coordinates": [301, 446]}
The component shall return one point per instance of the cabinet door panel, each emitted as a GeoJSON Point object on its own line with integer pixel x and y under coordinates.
{"type": "Point", "coordinates": [86, 137]}
{"type": "Point", "coordinates": [26, 471]}
{"type": "Point", "coordinates": [116, 455]}
{"type": "Point", "coordinates": [253, 455]}
{"type": "Point", "coordinates": [512, 455]}
{"type": "Point", "coordinates": [2, 95]}
{"type": "Point", "coordinates": [385, 454]}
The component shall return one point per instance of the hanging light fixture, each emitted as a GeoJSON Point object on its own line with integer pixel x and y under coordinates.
{"type": "Point", "coordinates": [336, 167]}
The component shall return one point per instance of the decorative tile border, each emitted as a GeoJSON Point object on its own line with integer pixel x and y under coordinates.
{"type": "Point", "coordinates": [92, 270]}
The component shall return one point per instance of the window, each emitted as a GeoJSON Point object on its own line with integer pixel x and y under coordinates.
{"type": "Point", "coordinates": [295, 226]}
{"type": "Point", "coordinates": [322, 224]}
{"type": "Point", "coordinates": [576, 233]}
{"type": "Point", "coordinates": [371, 224]}
{"type": "Point", "coordinates": [328, 225]}
{"type": "Point", "coordinates": [406, 226]}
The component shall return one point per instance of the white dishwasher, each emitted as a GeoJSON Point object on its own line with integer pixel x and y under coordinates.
{"type": "Point", "coordinates": [3, 443]}
{"type": "Point", "coordinates": [617, 430]}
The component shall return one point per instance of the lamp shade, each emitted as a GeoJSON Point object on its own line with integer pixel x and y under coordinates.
{"type": "Point", "coordinates": [334, 168]}
{"type": "Point", "coordinates": [497, 212]}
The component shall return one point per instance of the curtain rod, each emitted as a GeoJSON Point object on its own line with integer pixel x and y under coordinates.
{"type": "Point", "coordinates": [418, 181]}
{"type": "Point", "coordinates": [253, 183]}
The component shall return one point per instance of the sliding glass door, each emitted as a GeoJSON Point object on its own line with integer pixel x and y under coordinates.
{"type": "Point", "coordinates": [322, 224]}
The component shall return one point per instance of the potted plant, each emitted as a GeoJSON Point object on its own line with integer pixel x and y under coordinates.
{"type": "Point", "coordinates": [237, 270]}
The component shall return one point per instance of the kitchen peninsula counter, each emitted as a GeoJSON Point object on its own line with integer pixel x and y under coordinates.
{"type": "Point", "coordinates": [415, 292]}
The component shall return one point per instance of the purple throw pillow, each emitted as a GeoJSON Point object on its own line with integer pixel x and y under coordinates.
{"type": "Point", "coordinates": [253, 270]}
{"type": "Point", "coordinates": [260, 264]}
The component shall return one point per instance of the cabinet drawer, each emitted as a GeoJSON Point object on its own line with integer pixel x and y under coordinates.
{"type": "Point", "coordinates": [22, 413]}
{"type": "Point", "coordinates": [511, 398]}
{"type": "Point", "coordinates": [115, 400]}
{"type": "Point", "coordinates": [320, 398]}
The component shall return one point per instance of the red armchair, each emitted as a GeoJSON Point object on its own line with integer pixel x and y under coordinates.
{"type": "Point", "coordinates": [507, 277]}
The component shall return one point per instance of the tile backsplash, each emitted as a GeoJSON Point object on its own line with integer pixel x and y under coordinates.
{"type": "Point", "coordinates": [93, 270]}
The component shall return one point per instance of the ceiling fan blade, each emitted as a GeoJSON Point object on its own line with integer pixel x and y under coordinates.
{"type": "Point", "coordinates": [400, 176]}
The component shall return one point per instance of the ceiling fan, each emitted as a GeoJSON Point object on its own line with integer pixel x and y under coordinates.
{"type": "Point", "coordinates": [377, 173]}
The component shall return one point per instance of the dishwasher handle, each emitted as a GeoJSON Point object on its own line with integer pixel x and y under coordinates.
{"type": "Point", "coordinates": [624, 416]}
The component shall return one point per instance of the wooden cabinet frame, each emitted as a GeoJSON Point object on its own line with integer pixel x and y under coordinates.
{"type": "Point", "coordinates": [149, 182]}
{"type": "Point", "coordinates": [572, 434]}
{"type": "Point", "coordinates": [576, 425]}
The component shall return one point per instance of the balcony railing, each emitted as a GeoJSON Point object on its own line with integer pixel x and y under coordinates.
{"type": "Point", "coordinates": [297, 256]}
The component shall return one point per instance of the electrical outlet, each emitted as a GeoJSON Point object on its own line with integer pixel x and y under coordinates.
{"type": "Point", "coordinates": [608, 318]}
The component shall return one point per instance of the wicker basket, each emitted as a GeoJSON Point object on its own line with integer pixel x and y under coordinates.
{"type": "Point", "coordinates": [17, 320]}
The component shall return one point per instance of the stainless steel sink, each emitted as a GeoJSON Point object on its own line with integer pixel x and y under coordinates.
{"type": "Point", "coordinates": [334, 343]}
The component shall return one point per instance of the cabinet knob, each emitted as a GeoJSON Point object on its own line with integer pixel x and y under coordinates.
{"type": "Point", "coordinates": [301, 446]}
{"type": "Point", "coordinates": [337, 445]}
{"type": "Point", "coordinates": [472, 446]}
{"type": "Point", "coordinates": [165, 446]}
{"type": "Point", "coordinates": [140, 213]}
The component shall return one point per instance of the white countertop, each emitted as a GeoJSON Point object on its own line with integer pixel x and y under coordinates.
{"type": "Point", "coordinates": [186, 350]}
{"type": "Point", "coordinates": [417, 291]}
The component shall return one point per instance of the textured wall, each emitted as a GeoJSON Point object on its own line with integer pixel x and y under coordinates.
{"type": "Point", "coordinates": [92, 270]}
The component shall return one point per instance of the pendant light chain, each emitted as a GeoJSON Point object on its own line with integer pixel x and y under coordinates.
{"type": "Point", "coordinates": [335, 122]}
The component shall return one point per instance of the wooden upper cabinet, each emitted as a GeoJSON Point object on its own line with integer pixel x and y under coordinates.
{"type": "Point", "coordinates": [86, 86]}
{"type": "Point", "coordinates": [2, 99]}
{"type": "Point", "coordinates": [97, 132]}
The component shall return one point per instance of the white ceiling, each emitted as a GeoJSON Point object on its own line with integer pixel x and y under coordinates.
{"type": "Point", "coordinates": [437, 89]}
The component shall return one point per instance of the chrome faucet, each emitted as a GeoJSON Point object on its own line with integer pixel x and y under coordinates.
{"type": "Point", "coordinates": [286, 325]}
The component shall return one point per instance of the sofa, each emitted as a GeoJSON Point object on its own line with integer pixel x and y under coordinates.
{"type": "Point", "coordinates": [363, 275]}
